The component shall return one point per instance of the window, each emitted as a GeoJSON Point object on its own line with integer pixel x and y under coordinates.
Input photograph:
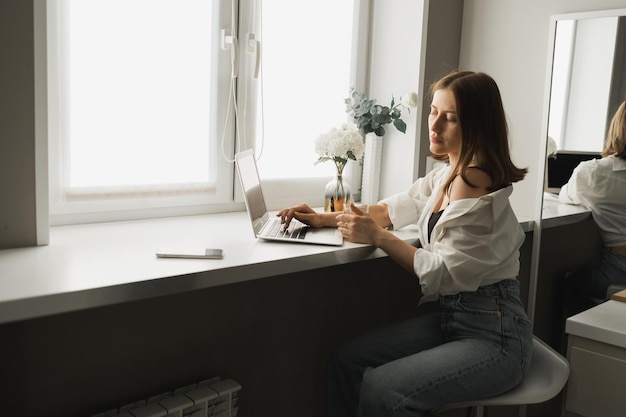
{"type": "Point", "coordinates": [143, 114]}
{"type": "Point", "coordinates": [294, 75]}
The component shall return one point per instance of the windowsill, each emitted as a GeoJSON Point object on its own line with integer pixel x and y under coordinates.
{"type": "Point", "coordinates": [94, 265]}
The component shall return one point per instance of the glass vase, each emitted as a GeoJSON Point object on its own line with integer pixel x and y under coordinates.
{"type": "Point", "coordinates": [337, 194]}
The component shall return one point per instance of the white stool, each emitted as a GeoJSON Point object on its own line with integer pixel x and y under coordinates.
{"type": "Point", "coordinates": [545, 378]}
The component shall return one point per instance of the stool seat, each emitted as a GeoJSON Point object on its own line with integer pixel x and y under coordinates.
{"type": "Point", "coordinates": [545, 378]}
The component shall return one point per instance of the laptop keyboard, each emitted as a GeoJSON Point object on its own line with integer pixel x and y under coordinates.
{"type": "Point", "coordinates": [296, 230]}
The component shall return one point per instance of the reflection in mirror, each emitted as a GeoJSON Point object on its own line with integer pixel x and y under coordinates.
{"type": "Point", "coordinates": [588, 79]}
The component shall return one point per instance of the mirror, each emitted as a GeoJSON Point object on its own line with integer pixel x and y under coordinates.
{"type": "Point", "coordinates": [588, 80]}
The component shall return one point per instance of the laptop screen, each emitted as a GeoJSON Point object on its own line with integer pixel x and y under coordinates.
{"type": "Point", "coordinates": [561, 167]}
{"type": "Point", "coordinates": [251, 184]}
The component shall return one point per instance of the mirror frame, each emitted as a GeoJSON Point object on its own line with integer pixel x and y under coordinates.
{"type": "Point", "coordinates": [607, 56]}
{"type": "Point", "coordinates": [554, 19]}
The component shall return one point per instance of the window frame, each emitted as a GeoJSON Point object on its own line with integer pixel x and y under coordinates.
{"type": "Point", "coordinates": [89, 205]}
{"type": "Point", "coordinates": [307, 189]}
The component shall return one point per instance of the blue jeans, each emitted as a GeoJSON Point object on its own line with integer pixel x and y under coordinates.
{"type": "Point", "coordinates": [477, 346]}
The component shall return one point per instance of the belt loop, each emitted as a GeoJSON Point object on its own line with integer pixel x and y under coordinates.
{"type": "Point", "coordinates": [501, 289]}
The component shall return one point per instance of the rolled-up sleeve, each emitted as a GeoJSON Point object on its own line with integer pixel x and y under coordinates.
{"type": "Point", "coordinates": [578, 184]}
{"type": "Point", "coordinates": [405, 208]}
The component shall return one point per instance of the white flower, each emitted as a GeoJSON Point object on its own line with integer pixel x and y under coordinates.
{"type": "Point", "coordinates": [409, 100]}
{"type": "Point", "coordinates": [340, 144]}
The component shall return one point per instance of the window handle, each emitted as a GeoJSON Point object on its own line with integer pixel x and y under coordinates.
{"type": "Point", "coordinates": [230, 42]}
{"type": "Point", "coordinates": [254, 47]}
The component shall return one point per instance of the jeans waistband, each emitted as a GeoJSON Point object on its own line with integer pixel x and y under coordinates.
{"type": "Point", "coordinates": [502, 288]}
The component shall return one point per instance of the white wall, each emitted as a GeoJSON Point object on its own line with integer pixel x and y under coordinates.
{"type": "Point", "coordinates": [395, 67]}
{"type": "Point", "coordinates": [414, 42]}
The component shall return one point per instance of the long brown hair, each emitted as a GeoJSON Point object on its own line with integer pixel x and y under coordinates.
{"type": "Point", "coordinates": [616, 138]}
{"type": "Point", "coordinates": [484, 130]}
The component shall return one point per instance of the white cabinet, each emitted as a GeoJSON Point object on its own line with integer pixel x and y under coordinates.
{"type": "Point", "coordinates": [597, 355]}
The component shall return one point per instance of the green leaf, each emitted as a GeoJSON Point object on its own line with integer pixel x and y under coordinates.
{"type": "Point", "coordinates": [400, 125]}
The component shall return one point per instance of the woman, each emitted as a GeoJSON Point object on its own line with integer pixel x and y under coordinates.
{"type": "Point", "coordinates": [600, 186]}
{"type": "Point", "coordinates": [479, 344]}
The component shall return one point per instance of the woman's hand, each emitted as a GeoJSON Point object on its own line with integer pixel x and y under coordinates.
{"type": "Point", "coordinates": [358, 227]}
{"type": "Point", "coordinates": [302, 212]}
{"type": "Point", "coordinates": [361, 227]}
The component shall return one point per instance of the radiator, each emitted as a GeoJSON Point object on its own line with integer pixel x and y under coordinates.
{"type": "Point", "coordinates": [208, 398]}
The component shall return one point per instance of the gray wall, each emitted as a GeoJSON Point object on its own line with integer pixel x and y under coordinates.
{"type": "Point", "coordinates": [273, 336]}
{"type": "Point", "coordinates": [18, 224]}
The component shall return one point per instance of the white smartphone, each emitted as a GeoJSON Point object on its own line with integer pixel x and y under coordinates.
{"type": "Point", "coordinates": [190, 253]}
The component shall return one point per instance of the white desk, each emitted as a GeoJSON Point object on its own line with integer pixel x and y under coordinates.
{"type": "Point", "coordinates": [94, 265]}
{"type": "Point", "coordinates": [597, 355]}
{"type": "Point", "coordinates": [555, 213]}
{"type": "Point", "coordinates": [100, 264]}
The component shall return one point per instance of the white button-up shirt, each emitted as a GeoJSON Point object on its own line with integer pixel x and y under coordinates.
{"type": "Point", "coordinates": [600, 186]}
{"type": "Point", "coordinates": [475, 242]}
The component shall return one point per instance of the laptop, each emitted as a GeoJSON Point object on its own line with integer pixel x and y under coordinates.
{"type": "Point", "coordinates": [267, 226]}
{"type": "Point", "coordinates": [560, 168]}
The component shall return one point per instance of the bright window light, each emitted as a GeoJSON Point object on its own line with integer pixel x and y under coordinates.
{"type": "Point", "coordinates": [306, 77]}
{"type": "Point", "coordinates": [139, 93]}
